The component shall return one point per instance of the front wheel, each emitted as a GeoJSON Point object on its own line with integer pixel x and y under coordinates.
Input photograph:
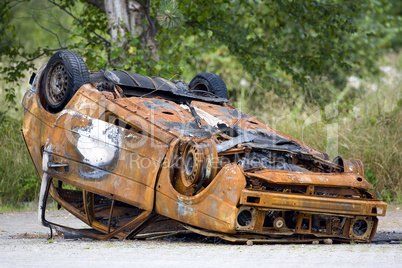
{"type": "Point", "coordinates": [64, 74]}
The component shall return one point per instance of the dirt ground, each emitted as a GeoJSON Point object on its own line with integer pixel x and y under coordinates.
{"type": "Point", "coordinates": [23, 242]}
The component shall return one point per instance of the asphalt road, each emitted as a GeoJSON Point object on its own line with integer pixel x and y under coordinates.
{"type": "Point", "coordinates": [23, 242]}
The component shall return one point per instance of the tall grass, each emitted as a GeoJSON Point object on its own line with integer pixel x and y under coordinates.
{"type": "Point", "coordinates": [19, 182]}
{"type": "Point", "coordinates": [368, 128]}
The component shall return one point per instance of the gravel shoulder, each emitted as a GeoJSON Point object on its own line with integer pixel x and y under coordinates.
{"type": "Point", "coordinates": [23, 242]}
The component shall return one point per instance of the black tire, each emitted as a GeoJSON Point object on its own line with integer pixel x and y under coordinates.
{"type": "Point", "coordinates": [209, 82]}
{"type": "Point", "coordinates": [64, 74]}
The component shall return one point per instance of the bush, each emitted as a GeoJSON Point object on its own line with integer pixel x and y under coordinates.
{"type": "Point", "coordinates": [19, 181]}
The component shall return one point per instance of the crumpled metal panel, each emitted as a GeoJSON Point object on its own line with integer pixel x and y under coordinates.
{"type": "Point", "coordinates": [232, 116]}
{"type": "Point", "coordinates": [104, 158]}
{"type": "Point", "coordinates": [178, 120]}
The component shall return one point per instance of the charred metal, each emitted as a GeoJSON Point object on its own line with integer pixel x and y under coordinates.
{"type": "Point", "coordinates": [149, 157]}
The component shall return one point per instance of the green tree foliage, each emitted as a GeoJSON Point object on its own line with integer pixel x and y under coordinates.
{"type": "Point", "coordinates": [281, 54]}
{"type": "Point", "coordinates": [305, 40]}
{"type": "Point", "coordinates": [19, 48]}
{"type": "Point", "coordinates": [281, 43]}
{"type": "Point", "coordinates": [10, 49]}
{"type": "Point", "coordinates": [396, 11]}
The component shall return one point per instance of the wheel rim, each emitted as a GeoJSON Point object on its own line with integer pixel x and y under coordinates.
{"type": "Point", "coordinates": [57, 84]}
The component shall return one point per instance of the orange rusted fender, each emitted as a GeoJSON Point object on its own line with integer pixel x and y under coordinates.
{"type": "Point", "coordinates": [215, 208]}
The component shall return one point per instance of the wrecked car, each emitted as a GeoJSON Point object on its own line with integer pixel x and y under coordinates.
{"type": "Point", "coordinates": [123, 151]}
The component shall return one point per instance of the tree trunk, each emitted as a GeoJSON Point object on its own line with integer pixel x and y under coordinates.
{"type": "Point", "coordinates": [129, 16]}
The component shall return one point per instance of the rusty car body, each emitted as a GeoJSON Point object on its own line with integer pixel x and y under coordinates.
{"type": "Point", "coordinates": [138, 149]}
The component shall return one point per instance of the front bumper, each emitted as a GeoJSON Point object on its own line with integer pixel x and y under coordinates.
{"type": "Point", "coordinates": [313, 204]}
{"type": "Point", "coordinates": [288, 214]}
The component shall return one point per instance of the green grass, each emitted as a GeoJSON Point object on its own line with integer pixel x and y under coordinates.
{"type": "Point", "coordinates": [23, 206]}
{"type": "Point", "coordinates": [19, 182]}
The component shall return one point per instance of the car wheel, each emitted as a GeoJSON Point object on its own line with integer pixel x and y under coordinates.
{"type": "Point", "coordinates": [64, 74]}
{"type": "Point", "coordinates": [209, 82]}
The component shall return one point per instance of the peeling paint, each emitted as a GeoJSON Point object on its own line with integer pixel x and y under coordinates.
{"type": "Point", "coordinates": [99, 145]}
{"type": "Point", "coordinates": [184, 210]}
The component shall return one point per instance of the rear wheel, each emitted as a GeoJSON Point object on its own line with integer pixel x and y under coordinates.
{"type": "Point", "coordinates": [64, 74]}
{"type": "Point", "coordinates": [209, 82]}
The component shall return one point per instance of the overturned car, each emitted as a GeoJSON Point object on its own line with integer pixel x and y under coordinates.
{"type": "Point", "coordinates": [123, 152]}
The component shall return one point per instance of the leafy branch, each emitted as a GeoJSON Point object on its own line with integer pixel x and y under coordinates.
{"type": "Point", "coordinates": [105, 42]}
